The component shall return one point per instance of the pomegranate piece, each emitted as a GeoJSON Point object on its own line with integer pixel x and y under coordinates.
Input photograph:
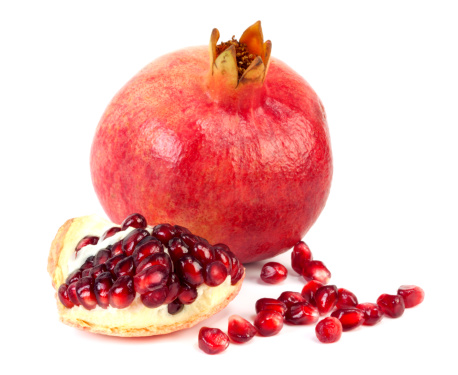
{"type": "Point", "coordinates": [135, 221]}
{"type": "Point", "coordinates": [350, 317]}
{"type": "Point", "coordinates": [164, 233]}
{"type": "Point", "coordinates": [132, 239]}
{"type": "Point", "coordinates": [301, 313]}
{"type": "Point", "coordinates": [326, 298]}
{"type": "Point", "coordinates": [102, 286]}
{"type": "Point", "coordinates": [309, 290]}
{"type": "Point", "coordinates": [151, 278]}
{"type": "Point", "coordinates": [71, 292]}
{"type": "Point", "coordinates": [122, 293]}
{"type": "Point", "coordinates": [88, 240]}
{"type": "Point", "coordinates": [316, 270]}
{"type": "Point", "coordinates": [143, 249]}
{"type": "Point", "coordinates": [240, 330]}
{"type": "Point", "coordinates": [273, 273]}
{"type": "Point", "coordinates": [215, 273]}
{"type": "Point", "coordinates": [85, 292]}
{"type": "Point", "coordinates": [151, 260]}
{"type": "Point", "coordinates": [290, 298]}
{"type": "Point", "coordinates": [102, 256]}
{"type": "Point", "coordinates": [268, 322]}
{"type": "Point", "coordinates": [177, 248]}
{"type": "Point", "coordinates": [213, 340]}
{"type": "Point", "coordinates": [174, 307]}
{"type": "Point", "coordinates": [190, 270]}
{"type": "Point", "coordinates": [74, 276]}
{"type": "Point", "coordinates": [155, 298]}
{"type": "Point", "coordinates": [270, 304]}
{"type": "Point", "coordinates": [188, 294]}
{"type": "Point", "coordinates": [203, 252]}
{"type": "Point", "coordinates": [391, 305]}
{"type": "Point", "coordinates": [328, 330]}
{"type": "Point", "coordinates": [372, 313]}
{"type": "Point", "coordinates": [411, 294]}
{"type": "Point", "coordinates": [301, 253]}
{"type": "Point", "coordinates": [346, 299]}
{"type": "Point", "coordinates": [124, 267]}
{"type": "Point", "coordinates": [109, 233]}
{"type": "Point", "coordinates": [63, 296]}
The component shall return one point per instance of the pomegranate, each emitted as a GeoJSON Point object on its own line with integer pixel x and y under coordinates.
{"type": "Point", "coordinates": [145, 293]}
{"type": "Point", "coordinates": [227, 141]}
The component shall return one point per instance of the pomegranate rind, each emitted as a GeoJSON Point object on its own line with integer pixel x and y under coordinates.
{"type": "Point", "coordinates": [131, 321]}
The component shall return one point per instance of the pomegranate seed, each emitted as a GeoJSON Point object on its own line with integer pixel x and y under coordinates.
{"type": "Point", "coordinates": [177, 248]}
{"type": "Point", "coordinates": [71, 292]}
{"type": "Point", "coordinates": [102, 286]}
{"type": "Point", "coordinates": [122, 293]}
{"type": "Point", "coordinates": [151, 278]}
{"type": "Point", "coordinates": [240, 330]}
{"type": "Point", "coordinates": [345, 299]}
{"type": "Point", "coordinates": [85, 292]}
{"type": "Point", "coordinates": [174, 307]}
{"type": "Point", "coordinates": [155, 298]}
{"type": "Point", "coordinates": [179, 230]}
{"type": "Point", "coordinates": [203, 253]}
{"type": "Point", "coordinates": [301, 313]}
{"type": "Point", "coordinates": [102, 256]}
{"type": "Point", "coordinates": [411, 294]}
{"type": "Point", "coordinates": [372, 313]}
{"type": "Point", "coordinates": [124, 267]}
{"type": "Point", "coordinates": [151, 260]}
{"type": "Point", "coordinates": [88, 240]}
{"type": "Point", "coordinates": [309, 290]}
{"type": "Point", "coordinates": [391, 305]}
{"type": "Point", "coordinates": [134, 220]}
{"type": "Point", "coordinates": [109, 233]}
{"type": "Point", "coordinates": [117, 249]}
{"type": "Point", "coordinates": [74, 276]}
{"type": "Point", "coordinates": [300, 254]}
{"type": "Point", "coordinates": [213, 340]}
{"type": "Point", "coordinates": [223, 257]}
{"type": "Point", "coordinates": [173, 288]}
{"type": "Point", "coordinates": [97, 270]}
{"type": "Point", "coordinates": [270, 304]}
{"type": "Point", "coordinates": [190, 240]}
{"type": "Point", "coordinates": [328, 330]}
{"type": "Point", "coordinates": [239, 272]}
{"type": "Point", "coordinates": [273, 273]}
{"type": "Point", "coordinates": [268, 322]}
{"type": "Point", "coordinates": [350, 317]}
{"type": "Point", "coordinates": [113, 261]}
{"type": "Point", "coordinates": [316, 270]}
{"type": "Point", "coordinates": [132, 239]}
{"type": "Point", "coordinates": [164, 233]}
{"type": "Point", "coordinates": [143, 249]}
{"type": "Point", "coordinates": [290, 298]}
{"type": "Point", "coordinates": [188, 294]}
{"type": "Point", "coordinates": [326, 298]}
{"type": "Point", "coordinates": [190, 270]}
{"type": "Point", "coordinates": [86, 272]}
{"type": "Point", "coordinates": [63, 296]}
{"type": "Point", "coordinates": [88, 263]}
{"type": "Point", "coordinates": [215, 273]}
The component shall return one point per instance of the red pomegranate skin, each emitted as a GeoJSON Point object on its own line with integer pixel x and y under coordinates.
{"type": "Point", "coordinates": [249, 167]}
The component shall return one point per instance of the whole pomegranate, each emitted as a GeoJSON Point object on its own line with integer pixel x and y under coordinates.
{"type": "Point", "coordinates": [226, 140]}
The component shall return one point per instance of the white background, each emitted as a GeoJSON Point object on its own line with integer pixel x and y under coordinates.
{"type": "Point", "coordinates": [387, 75]}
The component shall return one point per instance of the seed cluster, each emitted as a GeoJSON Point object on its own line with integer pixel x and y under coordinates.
{"type": "Point", "coordinates": [243, 56]}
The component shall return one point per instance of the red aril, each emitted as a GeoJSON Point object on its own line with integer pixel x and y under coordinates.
{"type": "Point", "coordinates": [135, 221]}
{"type": "Point", "coordinates": [102, 256]}
{"type": "Point", "coordinates": [268, 322]}
{"type": "Point", "coordinates": [273, 273]}
{"type": "Point", "coordinates": [213, 340]}
{"type": "Point", "coordinates": [155, 298]}
{"type": "Point", "coordinates": [85, 292]}
{"type": "Point", "coordinates": [350, 317]}
{"type": "Point", "coordinates": [328, 330]}
{"type": "Point", "coordinates": [346, 299]}
{"type": "Point", "coordinates": [372, 313]}
{"type": "Point", "coordinates": [151, 278]}
{"type": "Point", "coordinates": [240, 330]}
{"type": "Point", "coordinates": [316, 270]}
{"type": "Point", "coordinates": [122, 293]}
{"type": "Point", "coordinates": [270, 304]}
{"type": "Point", "coordinates": [87, 240]}
{"type": "Point", "coordinates": [144, 249]}
{"type": "Point", "coordinates": [124, 267]}
{"type": "Point", "coordinates": [109, 233]}
{"type": "Point", "coordinates": [63, 296]}
{"type": "Point", "coordinates": [164, 232]}
{"type": "Point", "coordinates": [301, 253]}
{"type": "Point", "coordinates": [102, 286]}
{"type": "Point", "coordinates": [326, 298]}
{"type": "Point", "coordinates": [309, 290]}
{"type": "Point", "coordinates": [391, 305]}
{"type": "Point", "coordinates": [215, 273]}
{"type": "Point", "coordinates": [411, 294]}
{"type": "Point", "coordinates": [222, 147]}
{"type": "Point", "coordinates": [132, 239]}
{"type": "Point", "coordinates": [290, 298]}
{"type": "Point", "coordinates": [188, 294]}
{"type": "Point", "coordinates": [71, 292]}
{"type": "Point", "coordinates": [301, 313]}
{"type": "Point", "coordinates": [190, 270]}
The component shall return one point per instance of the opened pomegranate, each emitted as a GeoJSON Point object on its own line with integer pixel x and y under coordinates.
{"type": "Point", "coordinates": [138, 289]}
{"type": "Point", "coordinates": [227, 141]}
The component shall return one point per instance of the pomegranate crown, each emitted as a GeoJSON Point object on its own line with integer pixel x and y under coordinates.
{"type": "Point", "coordinates": [241, 62]}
